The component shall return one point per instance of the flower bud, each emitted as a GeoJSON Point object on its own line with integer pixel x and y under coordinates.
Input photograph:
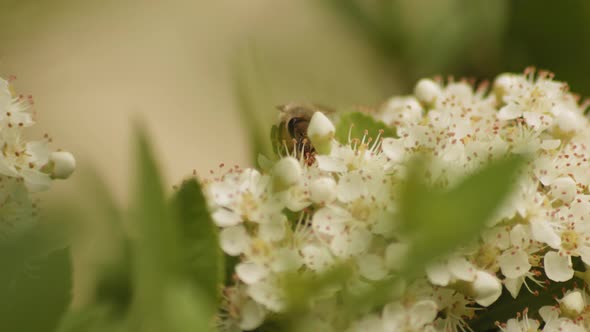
{"type": "Point", "coordinates": [321, 132]}
{"type": "Point", "coordinates": [572, 304]}
{"type": "Point", "coordinates": [427, 91]}
{"type": "Point", "coordinates": [286, 173]}
{"type": "Point", "coordinates": [502, 85]}
{"type": "Point", "coordinates": [64, 164]}
{"type": "Point", "coordinates": [322, 190]}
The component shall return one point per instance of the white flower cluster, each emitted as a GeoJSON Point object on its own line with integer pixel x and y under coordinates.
{"type": "Point", "coordinates": [25, 166]}
{"type": "Point", "coordinates": [309, 216]}
{"type": "Point", "coordinates": [570, 314]}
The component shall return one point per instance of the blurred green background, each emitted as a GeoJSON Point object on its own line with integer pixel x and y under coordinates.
{"type": "Point", "coordinates": [203, 74]}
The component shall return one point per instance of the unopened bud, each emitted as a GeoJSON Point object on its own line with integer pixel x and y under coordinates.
{"type": "Point", "coordinates": [427, 91]}
{"type": "Point", "coordinates": [286, 173]}
{"type": "Point", "coordinates": [64, 164]}
{"type": "Point", "coordinates": [321, 131]}
{"type": "Point", "coordinates": [572, 304]}
{"type": "Point", "coordinates": [502, 85]}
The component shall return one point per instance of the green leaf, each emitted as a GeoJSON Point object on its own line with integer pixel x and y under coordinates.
{"type": "Point", "coordinates": [187, 309]}
{"type": "Point", "coordinates": [93, 318]}
{"type": "Point", "coordinates": [356, 123]}
{"type": "Point", "coordinates": [34, 292]}
{"type": "Point", "coordinates": [301, 288]}
{"type": "Point", "coordinates": [114, 287]}
{"type": "Point", "coordinates": [155, 249]}
{"type": "Point", "coordinates": [163, 290]}
{"type": "Point", "coordinates": [439, 220]}
{"type": "Point", "coordinates": [199, 241]}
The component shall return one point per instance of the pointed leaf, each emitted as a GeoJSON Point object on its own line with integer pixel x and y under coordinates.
{"type": "Point", "coordinates": [440, 220]}
{"type": "Point", "coordinates": [199, 240]}
{"type": "Point", "coordinates": [34, 293]}
{"type": "Point", "coordinates": [163, 290]}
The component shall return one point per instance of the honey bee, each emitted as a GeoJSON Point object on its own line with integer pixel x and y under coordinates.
{"type": "Point", "coordinates": [292, 129]}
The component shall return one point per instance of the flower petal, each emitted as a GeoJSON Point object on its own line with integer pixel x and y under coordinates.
{"type": "Point", "coordinates": [225, 218]}
{"type": "Point", "coordinates": [422, 313]}
{"type": "Point", "coordinates": [558, 267]}
{"type": "Point", "coordinates": [234, 240]}
{"type": "Point", "coordinates": [514, 263]}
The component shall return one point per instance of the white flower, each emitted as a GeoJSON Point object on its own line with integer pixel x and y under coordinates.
{"type": "Point", "coordinates": [243, 195]}
{"type": "Point", "coordinates": [393, 149]}
{"type": "Point", "coordinates": [563, 324]}
{"type": "Point", "coordinates": [316, 257]}
{"type": "Point", "coordinates": [240, 313]}
{"type": "Point", "coordinates": [24, 160]}
{"type": "Point", "coordinates": [514, 262]}
{"type": "Point", "coordinates": [234, 240]}
{"type": "Point", "coordinates": [13, 109]}
{"type": "Point", "coordinates": [322, 190]}
{"type": "Point", "coordinates": [416, 317]}
{"type": "Point", "coordinates": [521, 324]}
{"type": "Point", "coordinates": [401, 110]}
{"type": "Point", "coordinates": [339, 205]}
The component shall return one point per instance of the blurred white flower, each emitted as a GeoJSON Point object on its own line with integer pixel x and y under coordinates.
{"type": "Point", "coordinates": [26, 166]}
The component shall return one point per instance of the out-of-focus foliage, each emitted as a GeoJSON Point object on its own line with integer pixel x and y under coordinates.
{"type": "Point", "coordinates": [437, 221]}
{"type": "Point", "coordinates": [425, 37]}
{"type": "Point", "coordinates": [548, 34]}
{"type": "Point", "coordinates": [475, 38]}
{"type": "Point", "coordinates": [167, 276]}
{"type": "Point", "coordinates": [167, 294]}
{"type": "Point", "coordinates": [35, 290]}
{"type": "Point", "coordinates": [36, 279]}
